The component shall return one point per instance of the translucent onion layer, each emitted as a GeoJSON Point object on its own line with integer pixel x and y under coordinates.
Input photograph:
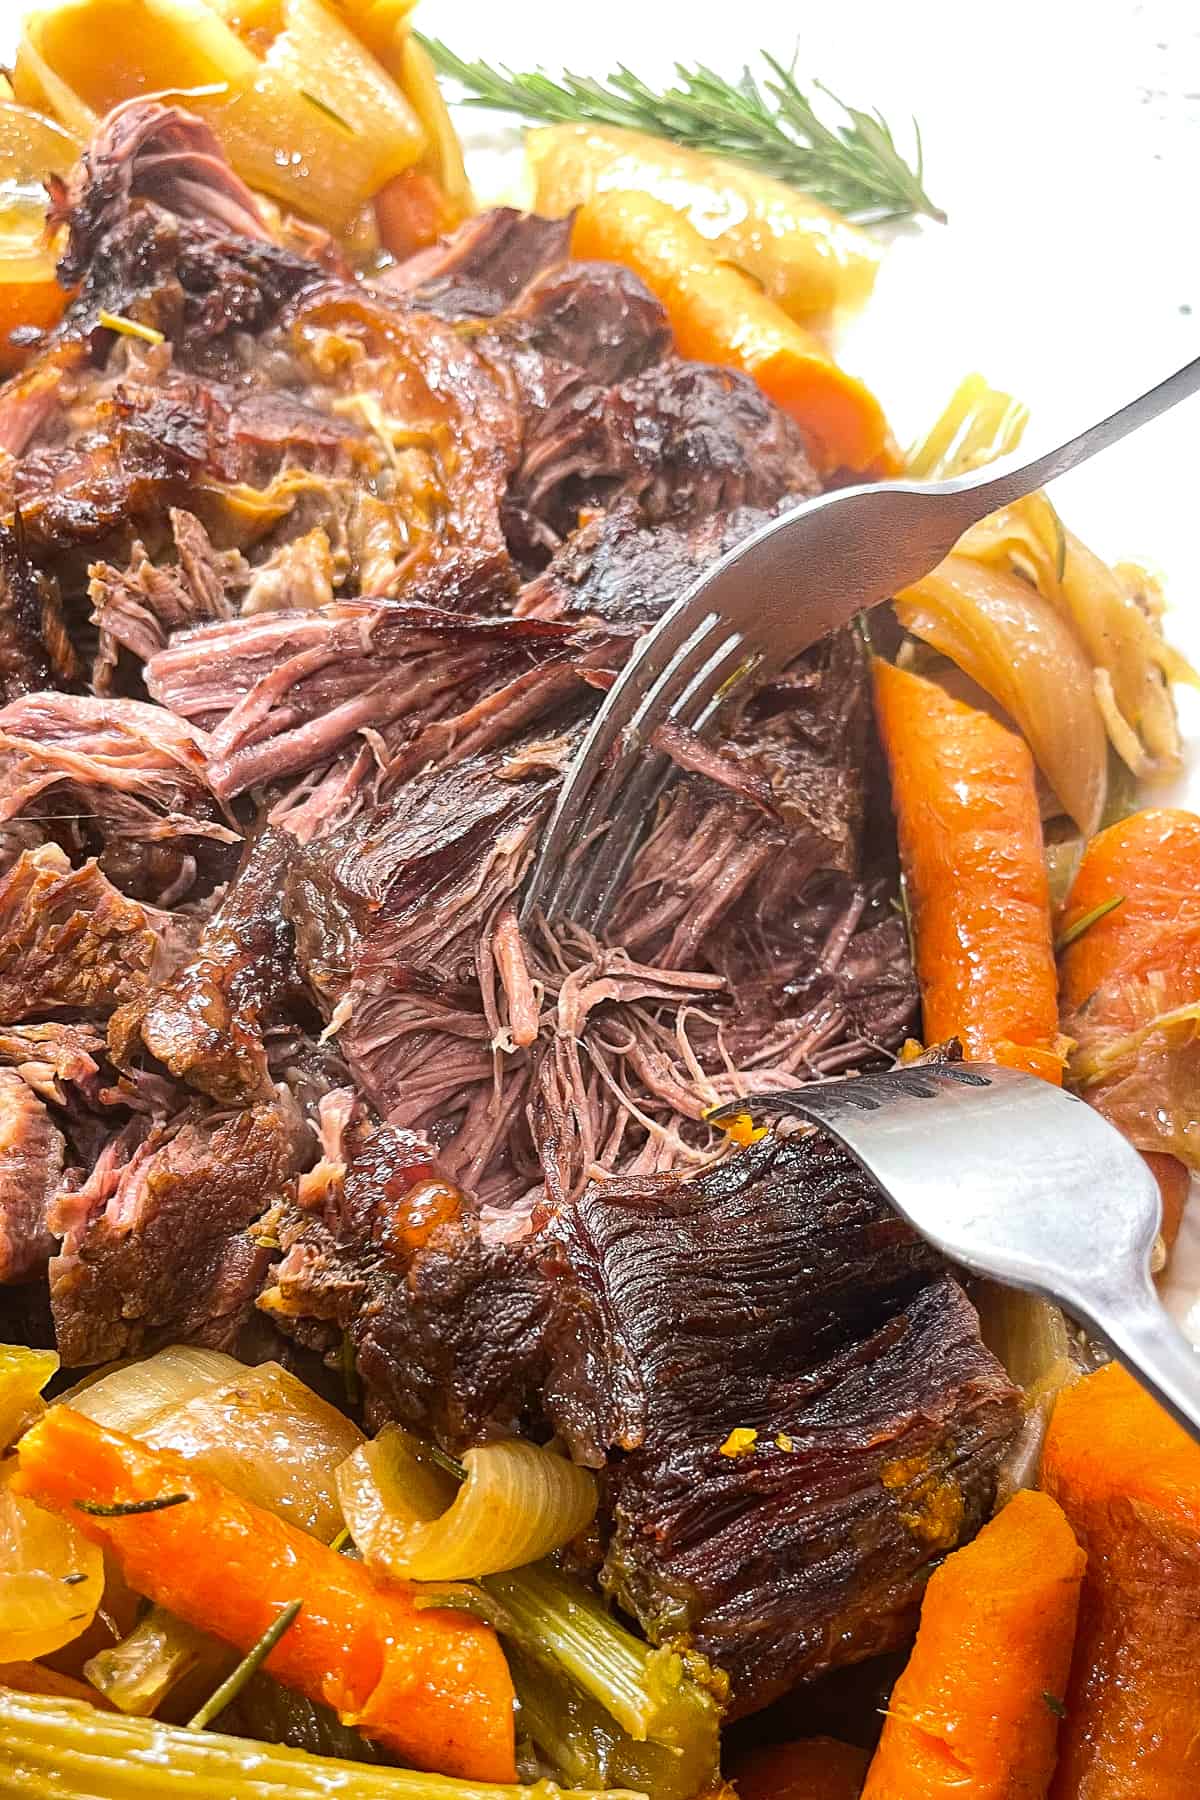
{"type": "Point", "coordinates": [411, 1520]}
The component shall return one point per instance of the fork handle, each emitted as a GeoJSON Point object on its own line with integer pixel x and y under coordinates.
{"type": "Point", "coordinates": [1138, 1328]}
{"type": "Point", "coordinates": [984, 490]}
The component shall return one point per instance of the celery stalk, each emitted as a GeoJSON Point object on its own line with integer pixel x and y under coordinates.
{"type": "Point", "coordinates": [652, 1694]}
{"type": "Point", "coordinates": [73, 1752]}
{"type": "Point", "coordinates": [575, 1737]}
{"type": "Point", "coordinates": [137, 1674]}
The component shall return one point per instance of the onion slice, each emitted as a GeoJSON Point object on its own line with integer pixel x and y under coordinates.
{"type": "Point", "coordinates": [408, 1519]}
{"type": "Point", "coordinates": [51, 1579]}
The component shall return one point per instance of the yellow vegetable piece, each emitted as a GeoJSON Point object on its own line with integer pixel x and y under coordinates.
{"type": "Point", "coordinates": [51, 1579]}
{"type": "Point", "coordinates": [443, 158]}
{"type": "Point", "coordinates": [315, 122]}
{"type": "Point", "coordinates": [740, 1442]}
{"type": "Point", "coordinates": [23, 1375]}
{"type": "Point", "coordinates": [807, 258]}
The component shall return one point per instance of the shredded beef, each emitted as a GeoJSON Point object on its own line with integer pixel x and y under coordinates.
{"type": "Point", "coordinates": [206, 1022]}
{"type": "Point", "coordinates": [69, 941]}
{"type": "Point", "coordinates": [276, 1043]}
{"type": "Point", "coordinates": [31, 1165]}
{"type": "Point", "coordinates": [160, 1249]}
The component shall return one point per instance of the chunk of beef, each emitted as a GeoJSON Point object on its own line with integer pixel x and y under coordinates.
{"type": "Point", "coordinates": [35, 647]}
{"type": "Point", "coordinates": [618, 570]}
{"type": "Point", "coordinates": [128, 777]}
{"type": "Point", "coordinates": [53, 1057]}
{"type": "Point", "coordinates": [446, 1320]}
{"type": "Point", "coordinates": [778, 1293]}
{"type": "Point", "coordinates": [684, 438]}
{"type": "Point", "coordinates": [206, 1022]}
{"type": "Point", "coordinates": [161, 230]}
{"type": "Point", "coordinates": [482, 267]}
{"type": "Point", "coordinates": [31, 1165]}
{"type": "Point", "coordinates": [595, 316]}
{"type": "Point", "coordinates": [158, 1250]}
{"type": "Point", "coordinates": [137, 608]}
{"type": "Point", "coordinates": [69, 941]}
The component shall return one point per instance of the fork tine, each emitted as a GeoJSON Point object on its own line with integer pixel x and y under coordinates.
{"type": "Point", "coordinates": [609, 749]}
{"type": "Point", "coordinates": [601, 879]}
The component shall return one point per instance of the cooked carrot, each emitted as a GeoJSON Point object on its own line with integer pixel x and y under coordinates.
{"type": "Point", "coordinates": [433, 1686]}
{"type": "Point", "coordinates": [1128, 1479]}
{"type": "Point", "coordinates": [819, 1768]}
{"type": "Point", "coordinates": [975, 1713]}
{"type": "Point", "coordinates": [971, 847]}
{"type": "Point", "coordinates": [411, 212]}
{"type": "Point", "coordinates": [37, 1678]}
{"type": "Point", "coordinates": [1131, 980]}
{"type": "Point", "coordinates": [719, 314]}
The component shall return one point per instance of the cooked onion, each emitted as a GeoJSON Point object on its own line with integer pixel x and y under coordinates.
{"type": "Point", "coordinates": [1114, 615]}
{"type": "Point", "coordinates": [51, 1579]}
{"type": "Point", "coordinates": [1031, 1339]}
{"type": "Point", "coordinates": [23, 1375]}
{"type": "Point", "coordinates": [516, 1505]}
{"type": "Point", "coordinates": [137, 1674]}
{"type": "Point", "coordinates": [259, 1430]}
{"type": "Point", "coordinates": [132, 1396]}
{"type": "Point", "coordinates": [269, 1438]}
{"type": "Point", "coordinates": [1022, 651]}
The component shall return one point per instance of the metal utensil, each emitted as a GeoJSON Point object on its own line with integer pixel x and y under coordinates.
{"type": "Point", "coordinates": [805, 573]}
{"type": "Point", "coordinates": [1016, 1179]}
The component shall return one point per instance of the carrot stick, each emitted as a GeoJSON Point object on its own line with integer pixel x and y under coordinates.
{"type": "Point", "coordinates": [820, 1768]}
{"type": "Point", "coordinates": [971, 848]}
{"type": "Point", "coordinates": [719, 314]}
{"type": "Point", "coordinates": [1131, 983]}
{"type": "Point", "coordinates": [432, 1686]}
{"type": "Point", "coordinates": [1128, 1478]}
{"type": "Point", "coordinates": [974, 1715]}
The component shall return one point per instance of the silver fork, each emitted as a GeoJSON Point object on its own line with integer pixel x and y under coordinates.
{"type": "Point", "coordinates": [789, 584]}
{"type": "Point", "coordinates": [1016, 1179]}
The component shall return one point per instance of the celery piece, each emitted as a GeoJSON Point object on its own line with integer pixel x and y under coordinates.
{"type": "Point", "coordinates": [71, 1751]}
{"type": "Point", "coordinates": [652, 1694]}
{"type": "Point", "coordinates": [581, 1744]}
{"type": "Point", "coordinates": [137, 1674]}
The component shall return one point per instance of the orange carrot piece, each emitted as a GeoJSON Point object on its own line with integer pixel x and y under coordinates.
{"type": "Point", "coordinates": [433, 1686]}
{"type": "Point", "coordinates": [974, 1715]}
{"type": "Point", "coordinates": [719, 314]}
{"type": "Point", "coordinates": [970, 835]}
{"type": "Point", "coordinates": [411, 212]}
{"type": "Point", "coordinates": [37, 1678]}
{"type": "Point", "coordinates": [1128, 1478]}
{"type": "Point", "coordinates": [1130, 977]}
{"type": "Point", "coordinates": [819, 1768]}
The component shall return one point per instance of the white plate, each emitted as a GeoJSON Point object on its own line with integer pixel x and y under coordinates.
{"type": "Point", "coordinates": [1063, 139]}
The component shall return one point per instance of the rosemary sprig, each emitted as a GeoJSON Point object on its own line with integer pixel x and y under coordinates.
{"type": "Point", "coordinates": [126, 1509]}
{"type": "Point", "coordinates": [854, 166]}
{"type": "Point", "coordinates": [253, 1660]}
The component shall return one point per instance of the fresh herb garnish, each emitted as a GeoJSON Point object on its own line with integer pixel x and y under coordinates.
{"type": "Point", "coordinates": [321, 106]}
{"type": "Point", "coordinates": [253, 1660]}
{"type": "Point", "coordinates": [445, 1461]}
{"type": "Point", "coordinates": [1089, 919]}
{"type": "Point", "coordinates": [854, 166]}
{"type": "Point", "coordinates": [125, 1509]}
{"type": "Point", "coordinates": [1055, 1704]}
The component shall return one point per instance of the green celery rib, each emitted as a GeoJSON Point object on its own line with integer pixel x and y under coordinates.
{"type": "Point", "coordinates": [649, 1692]}
{"type": "Point", "coordinates": [65, 1750]}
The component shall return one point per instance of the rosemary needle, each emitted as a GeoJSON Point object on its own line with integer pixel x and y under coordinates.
{"type": "Point", "coordinates": [1076, 931]}
{"type": "Point", "coordinates": [854, 166]}
{"type": "Point", "coordinates": [253, 1660]}
{"type": "Point", "coordinates": [125, 1509]}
